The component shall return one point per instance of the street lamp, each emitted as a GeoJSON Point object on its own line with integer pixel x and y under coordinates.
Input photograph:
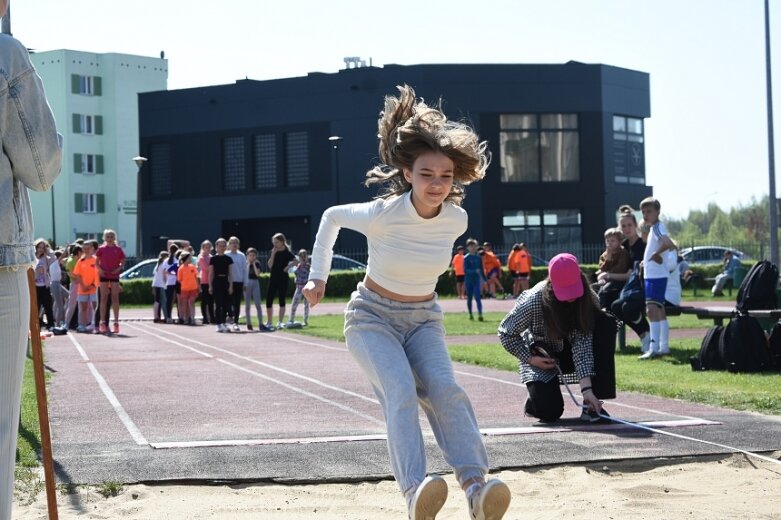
{"type": "Point", "coordinates": [140, 161]}
{"type": "Point", "coordinates": [770, 145]}
{"type": "Point", "coordinates": [335, 139]}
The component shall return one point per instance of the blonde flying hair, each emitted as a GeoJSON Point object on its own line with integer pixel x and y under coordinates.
{"type": "Point", "coordinates": [407, 128]}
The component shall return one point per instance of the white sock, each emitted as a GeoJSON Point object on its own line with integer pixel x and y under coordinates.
{"type": "Point", "coordinates": [664, 335]}
{"type": "Point", "coordinates": [655, 335]}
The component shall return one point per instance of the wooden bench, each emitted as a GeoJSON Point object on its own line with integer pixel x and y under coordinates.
{"type": "Point", "coordinates": [715, 313]}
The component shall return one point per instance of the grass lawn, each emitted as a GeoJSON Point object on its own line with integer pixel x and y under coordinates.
{"type": "Point", "coordinates": [671, 376]}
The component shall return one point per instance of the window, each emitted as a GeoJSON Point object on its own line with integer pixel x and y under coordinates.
{"type": "Point", "coordinates": [87, 163]}
{"type": "Point", "coordinates": [539, 148]}
{"type": "Point", "coordinates": [550, 230]}
{"type": "Point", "coordinates": [265, 161]}
{"type": "Point", "coordinates": [297, 159]}
{"type": "Point", "coordinates": [160, 174]}
{"type": "Point", "coordinates": [233, 174]}
{"type": "Point", "coordinates": [628, 150]}
{"type": "Point", "coordinates": [90, 203]}
{"type": "Point", "coordinates": [87, 124]}
{"type": "Point", "coordinates": [86, 85]}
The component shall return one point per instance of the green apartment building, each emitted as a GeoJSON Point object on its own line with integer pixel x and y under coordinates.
{"type": "Point", "coordinates": [94, 98]}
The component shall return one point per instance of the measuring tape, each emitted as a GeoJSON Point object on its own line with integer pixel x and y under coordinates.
{"type": "Point", "coordinates": [536, 349]}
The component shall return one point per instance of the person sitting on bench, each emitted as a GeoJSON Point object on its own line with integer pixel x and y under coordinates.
{"type": "Point", "coordinates": [728, 272]}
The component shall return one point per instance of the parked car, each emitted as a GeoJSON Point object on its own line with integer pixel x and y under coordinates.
{"type": "Point", "coordinates": [342, 263]}
{"type": "Point", "coordinates": [709, 254]}
{"type": "Point", "coordinates": [143, 269]}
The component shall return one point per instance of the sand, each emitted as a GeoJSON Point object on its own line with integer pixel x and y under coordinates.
{"type": "Point", "coordinates": [717, 487]}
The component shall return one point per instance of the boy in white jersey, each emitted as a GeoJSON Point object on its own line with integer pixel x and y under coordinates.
{"type": "Point", "coordinates": [656, 274]}
{"type": "Point", "coordinates": [393, 323]}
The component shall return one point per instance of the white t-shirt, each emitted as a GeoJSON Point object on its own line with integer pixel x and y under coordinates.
{"type": "Point", "coordinates": [407, 253]}
{"type": "Point", "coordinates": [652, 269]}
{"type": "Point", "coordinates": [55, 272]}
{"type": "Point", "coordinates": [673, 291]}
{"type": "Point", "coordinates": [239, 267]}
{"type": "Point", "coordinates": [157, 279]}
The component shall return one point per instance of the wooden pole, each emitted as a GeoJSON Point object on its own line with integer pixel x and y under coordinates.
{"type": "Point", "coordinates": [40, 393]}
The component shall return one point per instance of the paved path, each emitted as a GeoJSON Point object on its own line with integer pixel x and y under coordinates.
{"type": "Point", "coordinates": [165, 402]}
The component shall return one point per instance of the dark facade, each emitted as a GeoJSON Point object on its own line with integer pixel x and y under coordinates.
{"type": "Point", "coordinates": [254, 158]}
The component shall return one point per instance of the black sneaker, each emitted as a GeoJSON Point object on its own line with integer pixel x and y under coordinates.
{"type": "Point", "coordinates": [593, 417]}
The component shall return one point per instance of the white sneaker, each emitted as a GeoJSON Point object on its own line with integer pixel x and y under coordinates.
{"type": "Point", "coordinates": [428, 498]}
{"type": "Point", "coordinates": [236, 327]}
{"type": "Point", "coordinates": [490, 502]}
{"type": "Point", "coordinates": [646, 346]}
{"type": "Point", "coordinates": [280, 325]}
{"type": "Point", "coordinates": [219, 328]}
{"type": "Point", "coordinates": [648, 355]}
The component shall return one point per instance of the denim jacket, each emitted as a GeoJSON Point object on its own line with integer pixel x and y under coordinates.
{"type": "Point", "coordinates": [31, 150]}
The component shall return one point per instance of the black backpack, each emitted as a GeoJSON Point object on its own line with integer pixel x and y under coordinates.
{"type": "Point", "coordinates": [743, 345]}
{"type": "Point", "coordinates": [758, 290]}
{"type": "Point", "coordinates": [775, 347]}
{"type": "Point", "coordinates": [709, 356]}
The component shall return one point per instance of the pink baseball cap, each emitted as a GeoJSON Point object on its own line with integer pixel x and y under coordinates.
{"type": "Point", "coordinates": [564, 274]}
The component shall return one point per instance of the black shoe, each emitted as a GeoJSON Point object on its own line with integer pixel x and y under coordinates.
{"type": "Point", "coordinates": [593, 417]}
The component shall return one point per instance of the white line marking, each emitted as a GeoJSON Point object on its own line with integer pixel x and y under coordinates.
{"type": "Point", "coordinates": [488, 432]}
{"type": "Point", "coordinates": [612, 403]}
{"type": "Point", "coordinates": [289, 337]}
{"type": "Point", "coordinates": [304, 392]}
{"type": "Point", "coordinates": [273, 367]}
{"type": "Point", "coordinates": [277, 381]}
{"type": "Point", "coordinates": [131, 427]}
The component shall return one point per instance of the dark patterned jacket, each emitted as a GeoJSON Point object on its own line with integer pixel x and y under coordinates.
{"type": "Point", "coordinates": [523, 327]}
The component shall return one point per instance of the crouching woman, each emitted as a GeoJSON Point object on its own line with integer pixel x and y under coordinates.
{"type": "Point", "coordinates": [551, 324]}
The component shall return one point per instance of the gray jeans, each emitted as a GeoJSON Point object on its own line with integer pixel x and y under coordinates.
{"type": "Point", "coordinates": [401, 348]}
{"type": "Point", "coordinates": [252, 296]}
{"type": "Point", "coordinates": [14, 322]}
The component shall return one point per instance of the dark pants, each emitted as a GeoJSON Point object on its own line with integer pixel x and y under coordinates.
{"type": "Point", "coordinates": [235, 301]}
{"type": "Point", "coordinates": [207, 304]}
{"type": "Point", "coordinates": [221, 299]}
{"type": "Point", "coordinates": [170, 293]}
{"type": "Point", "coordinates": [45, 300]}
{"type": "Point", "coordinates": [632, 312]}
{"type": "Point", "coordinates": [545, 401]}
{"type": "Point", "coordinates": [277, 286]}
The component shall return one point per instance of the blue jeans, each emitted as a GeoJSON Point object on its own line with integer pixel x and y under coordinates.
{"type": "Point", "coordinates": [401, 348]}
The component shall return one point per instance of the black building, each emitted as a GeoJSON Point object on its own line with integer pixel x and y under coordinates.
{"type": "Point", "coordinates": [259, 157]}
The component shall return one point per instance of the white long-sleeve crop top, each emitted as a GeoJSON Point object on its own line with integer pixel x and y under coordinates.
{"type": "Point", "coordinates": [407, 252]}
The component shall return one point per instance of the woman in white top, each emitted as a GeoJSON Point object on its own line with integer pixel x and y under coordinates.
{"type": "Point", "coordinates": [393, 323]}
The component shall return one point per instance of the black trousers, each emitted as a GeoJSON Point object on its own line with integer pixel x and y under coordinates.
{"type": "Point", "coordinates": [207, 304]}
{"type": "Point", "coordinates": [235, 301]}
{"type": "Point", "coordinates": [44, 296]}
{"type": "Point", "coordinates": [545, 401]}
{"type": "Point", "coordinates": [221, 299]}
{"type": "Point", "coordinates": [277, 286]}
{"type": "Point", "coordinates": [632, 312]}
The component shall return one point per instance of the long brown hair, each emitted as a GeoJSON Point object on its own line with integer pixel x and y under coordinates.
{"type": "Point", "coordinates": [561, 318]}
{"type": "Point", "coordinates": [408, 128]}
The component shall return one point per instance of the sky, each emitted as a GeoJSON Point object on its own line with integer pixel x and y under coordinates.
{"type": "Point", "coordinates": [706, 139]}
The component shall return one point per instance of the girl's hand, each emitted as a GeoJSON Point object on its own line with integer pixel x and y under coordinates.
{"type": "Point", "coordinates": [591, 401]}
{"type": "Point", "coordinates": [314, 290]}
{"type": "Point", "coordinates": [543, 363]}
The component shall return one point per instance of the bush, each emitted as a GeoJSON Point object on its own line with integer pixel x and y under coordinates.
{"type": "Point", "coordinates": [342, 283]}
{"type": "Point", "coordinates": [137, 292]}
